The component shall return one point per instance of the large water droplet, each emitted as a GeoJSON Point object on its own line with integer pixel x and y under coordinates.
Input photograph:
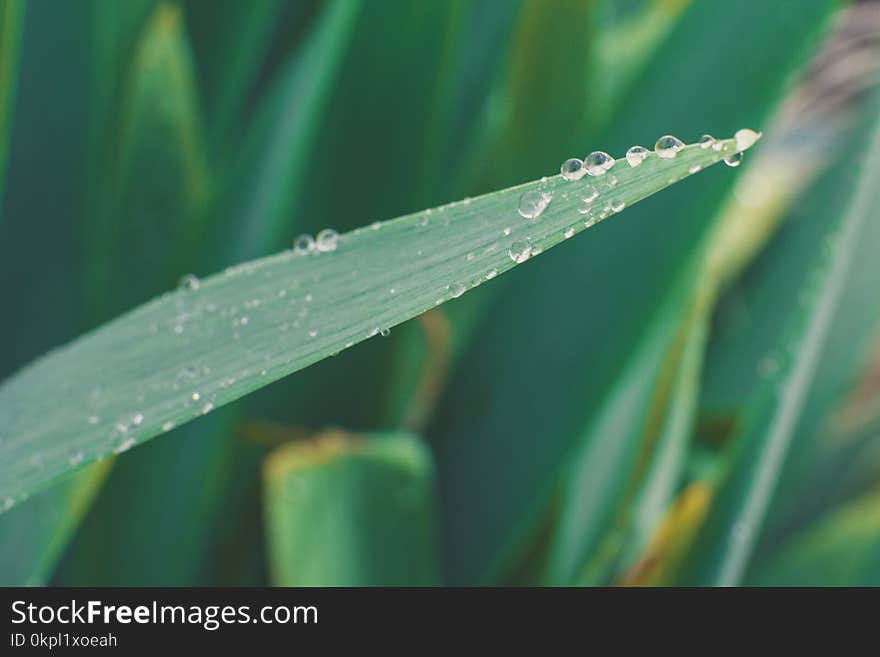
{"type": "Point", "coordinates": [597, 163]}
{"type": "Point", "coordinates": [304, 244]}
{"type": "Point", "coordinates": [520, 251]}
{"type": "Point", "coordinates": [745, 138]}
{"type": "Point", "coordinates": [668, 146]}
{"type": "Point", "coordinates": [189, 282]}
{"type": "Point", "coordinates": [734, 159]}
{"type": "Point", "coordinates": [636, 155]}
{"type": "Point", "coordinates": [532, 203]}
{"type": "Point", "coordinates": [573, 169]}
{"type": "Point", "coordinates": [326, 240]}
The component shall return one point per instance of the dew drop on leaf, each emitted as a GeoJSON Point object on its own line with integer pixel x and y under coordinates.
{"type": "Point", "coordinates": [520, 251]}
{"type": "Point", "coordinates": [573, 169]}
{"type": "Point", "coordinates": [327, 240]}
{"type": "Point", "coordinates": [598, 163]}
{"type": "Point", "coordinates": [706, 141]}
{"type": "Point", "coordinates": [734, 159]}
{"type": "Point", "coordinates": [189, 282]}
{"type": "Point", "coordinates": [304, 244]}
{"type": "Point", "coordinates": [667, 147]}
{"type": "Point", "coordinates": [636, 155]}
{"type": "Point", "coordinates": [532, 203]}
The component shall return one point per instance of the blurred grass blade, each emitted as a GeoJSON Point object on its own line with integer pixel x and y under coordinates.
{"type": "Point", "coordinates": [157, 182]}
{"type": "Point", "coordinates": [495, 507]}
{"type": "Point", "coordinates": [346, 510]}
{"type": "Point", "coordinates": [33, 535]}
{"type": "Point", "coordinates": [280, 146]}
{"type": "Point", "coordinates": [192, 350]}
{"type": "Point", "coordinates": [11, 21]}
{"type": "Point", "coordinates": [842, 549]}
{"type": "Point", "coordinates": [812, 287]}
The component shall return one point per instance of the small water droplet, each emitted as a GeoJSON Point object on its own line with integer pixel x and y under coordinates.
{"type": "Point", "coordinates": [668, 147]}
{"type": "Point", "coordinates": [734, 159]}
{"type": "Point", "coordinates": [93, 419]}
{"type": "Point", "coordinates": [8, 503]}
{"type": "Point", "coordinates": [573, 169]}
{"type": "Point", "coordinates": [189, 282]}
{"type": "Point", "coordinates": [532, 203]}
{"type": "Point", "coordinates": [385, 332]}
{"type": "Point", "coordinates": [313, 333]}
{"type": "Point", "coordinates": [76, 458]}
{"type": "Point", "coordinates": [124, 445]}
{"type": "Point", "coordinates": [327, 240]}
{"type": "Point", "coordinates": [168, 426]}
{"type": "Point", "coordinates": [207, 408]}
{"type": "Point", "coordinates": [636, 155]}
{"type": "Point", "coordinates": [456, 290]}
{"type": "Point", "coordinates": [745, 139]}
{"type": "Point", "coordinates": [696, 168]}
{"type": "Point", "coordinates": [137, 419]}
{"type": "Point", "coordinates": [569, 232]}
{"type": "Point", "coordinates": [598, 163]}
{"type": "Point", "coordinates": [196, 396]}
{"type": "Point", "coordinates": [718, 145]}
{"type": "Point", "coordinates": [506, 231]}
{"type": "Point", "coordinates": [617, 205]}
{"type": "Point", "coordinates": [590, 194]}
{"type": "Point", "coordinates": [492, 273]}
{"type": "Point", "coordinates": [520, 251]}
{"type": "Point", "coordinates": [304, 244]}
{"type": "Point", "coordinates": [706, 141]}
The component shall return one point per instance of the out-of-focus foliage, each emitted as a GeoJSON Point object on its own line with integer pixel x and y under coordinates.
{"type": "Point", "coordinates": [685, 394]}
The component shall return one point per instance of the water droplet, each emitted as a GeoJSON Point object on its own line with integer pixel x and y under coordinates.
{"type": "Point", "coordinates": [573, 169]}
{"type": "Point", "coordinates": [313, 333]}
{"type": "Point", "coordinates": [8, 503]}
{"type": "Point", "coordinates": [456, 290]}
{"type": "Point", "coordinates": [93, 419]}
{"type": "Point", "coordinates": [734, 159]}
{"type": "Point", "coordinates": [385, 332]}
{"type": "Point", "coordinates": [196, 396]}
{"type": "Point", "coordinates": [569, 232]}
{"type": "Point", "coordinates": [745, 139]}
{"type": "Point", "coordinates": [532, 203]}
{"type": "Point", "coordinates": [506, 231]}
{"type": "Point", "coordinates": [668, 146]}
{"type": "Point", "coordinates": [207, 408]}
{"type": "Point", "coordinates": [304, 244]}
{"type": "Point", "coordinates": [137, 419]}
{"type": "Point", "coordinates": [492, 273]}
{"type": "Point", "coordinates": [696, 168]}
{"type": "Point", "coordinates": [124, 445]}
{"type": "Point", "coordinates": [617, 205]}
{"type": "Point", "coordinates": [189, 282]}
{"type": "Point", "coordinates": [168, 426]}
{"type": "Point", "coordinates": [520, 251]}
{"type": "Point", "coordinates": [597, 163]}
{"type": "Point", "coordinates": [590, 194]}
{"type": "Point", "coordinates": [718, 145]}
{"type": "Point", "coordinates": [585, 207]}
{"type": "Point", "coordinates": [636, 155]}
{"type": "Point", "coordinates": [327, 240]}
{"type": "Point", "coordinates": [706, 141]}
{"type": "Point", "coordinates": [76, 458]}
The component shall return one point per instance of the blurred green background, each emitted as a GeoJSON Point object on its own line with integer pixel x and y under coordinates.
{"type": "Point", "coordinates": [604, 415]}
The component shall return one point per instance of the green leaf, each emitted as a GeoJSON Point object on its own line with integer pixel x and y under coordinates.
{"type": "Point", "coordinates": [808, 275]}
{"type": "Point", "coordinates": [192, 350]}
{"type": "Point", "coordinates": [11, 20]}
{"type": "Point", "coordinates": [626, 282]}
{"type": "Point", "coordinates": [840, 550]}
{"type": "Point", "coordinates": [345, 510]}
